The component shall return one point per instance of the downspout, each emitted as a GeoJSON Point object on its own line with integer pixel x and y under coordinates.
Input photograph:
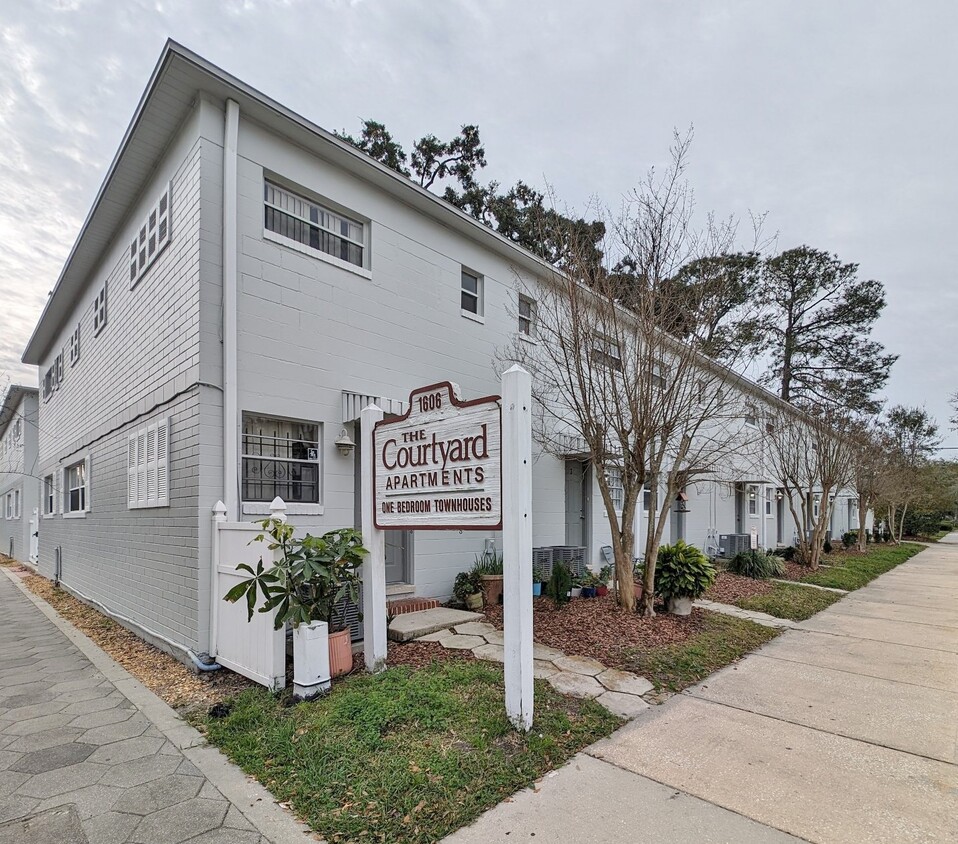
{"type": "Point", "coordinates": [230, 400]}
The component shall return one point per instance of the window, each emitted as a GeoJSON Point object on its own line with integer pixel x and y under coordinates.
{"type": "Point", "coordinates": [75, 346]}
{"type": "Point", "coordinates": [309, 223]}
{"type": "Point", "coordinates": [16, 504]}
{"type": "Point", "coordinates": [99, 311]}
{"type": "Point", "coordinates": [752, 494]}
{"type": "Point", "coordinates": [470, 299]}
{"type": "Point", "coordinates": [75, 496]}
{"type": "Point", "coordinates": [48, 383]}
{"type": "Point", "coordinates": [768, 501]}
{"type": "Point", "coordinates": [8, 505]}
{"type": "Point", "coordinates": [750, 416]}
{"type": "Point", "coordinates": [658, 379]}
{"type": "Point", "coordinates": [53, 377]}
{"type": "Point", "coordinates": [49, 496]}
{"type": "Point", "coordinates": [614, 479]}
{"type": "Point", "coordinates": [280, 458]}
{"type": "Point", "coordinates": [646, 499]}
{"type": "Point", "coordinates": [147, 466]}
{"type": "Point", "coordinates": [527, 316]}
{"type": "Point", "coordinates": [816, 506]}
{"type": "Point", "coordinates": [153, 235]}
{"type": "Point", "coordinates": [17, 430]}
{"type": "Point", "coordinates": [607, 354]}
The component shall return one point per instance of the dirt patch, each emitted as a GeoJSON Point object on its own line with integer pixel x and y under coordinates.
{"type": "Point", "coordinates": [729, 588]}
{"type": "Point", "coordinates": [599, 628]}
{"type": "Point", "coordinates": [415, 655]}
{"type": "Point", "coordinates": [179, 686]}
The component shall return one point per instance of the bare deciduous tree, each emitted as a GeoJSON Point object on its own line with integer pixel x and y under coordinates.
{"type": "Point", "coordinates": [647, 409]}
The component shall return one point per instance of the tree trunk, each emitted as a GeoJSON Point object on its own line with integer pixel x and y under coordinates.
{"type": "Point", "coordinates": [901, 525]}
{"type": "Point", "coordinates": [862, 514]}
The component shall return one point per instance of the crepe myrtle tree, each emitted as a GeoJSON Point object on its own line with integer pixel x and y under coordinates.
{"type": "Point", "coordinates": [813, 456]}
{"type": "Point", "coordinates": [869, 464]}
{"type": "Point", "coordinates": [610, 384]}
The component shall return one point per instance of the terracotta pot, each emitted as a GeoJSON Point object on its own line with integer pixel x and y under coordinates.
{"type": "Point", "coordinates": [638, 589]}
{"type": "Point", "coordinates": [492, 589]}
{"type": "Point", "coordinates": [601, 591]}
{"type": "Point", "coordinates": [474, 602]}
{"type": "Point", "coordinates": [340, 653]}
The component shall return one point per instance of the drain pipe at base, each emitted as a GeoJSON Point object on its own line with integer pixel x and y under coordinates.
{"type": "Point", "coordinates": [195, 658]}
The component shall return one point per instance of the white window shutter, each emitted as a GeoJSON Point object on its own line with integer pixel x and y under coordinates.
{"type": "Point", "coordinates": [163, 463]}
{"type": "Point", "coordinates": [151, 466]}
{"type": "Point", "coordinates": [141, 469]}
{"type": "Point", "coordinates": [131, 473]}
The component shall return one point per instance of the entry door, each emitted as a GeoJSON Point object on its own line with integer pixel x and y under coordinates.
{"type": "Point", "coordinates": [398, 542]}
{"type": "Point", "coordinates": [577, 480]}
{"type": "Point", "coordinates": [739, 507]}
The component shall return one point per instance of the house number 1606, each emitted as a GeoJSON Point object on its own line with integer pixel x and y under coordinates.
{"type": "Point", "coordinates": [431, 402]}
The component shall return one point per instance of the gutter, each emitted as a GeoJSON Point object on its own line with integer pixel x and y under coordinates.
{"type": "Point", "coordinates": [230, 370]}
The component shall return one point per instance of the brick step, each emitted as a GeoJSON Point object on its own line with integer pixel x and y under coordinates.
{"type": "Point", "coordinates": [399, 606]}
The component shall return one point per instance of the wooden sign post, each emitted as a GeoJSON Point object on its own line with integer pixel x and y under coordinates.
{"type": "Point", "coordinates": [449, 464]}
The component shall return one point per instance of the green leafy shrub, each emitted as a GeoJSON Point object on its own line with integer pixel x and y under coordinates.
{"type": "Point", "coordinates": [467, 583]}
{"type": "Point", "coordinates": [849, 538]}
{"type": "Point", "coordinates": [683, 571]}
{"type": "Point", "coordinates": [488, 563]}
{"type": "Point", "coordinates": [559, 584]}
{"type": "Point", "coordinates": [787, 553]}
{"type": "Point", "coordinates": [827, 546]}
{"type": "Point", "coordinates": [759, 565]}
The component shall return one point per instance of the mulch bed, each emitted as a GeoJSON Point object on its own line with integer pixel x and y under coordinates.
{"type": "Point", "coordinates": [598, 628]}
{"type": "Point", "coordinates": [179, 686]}
{"type": "Point", "coordinates": [420, 654]}
{"type": "Point", "coordinates": [729, 588]}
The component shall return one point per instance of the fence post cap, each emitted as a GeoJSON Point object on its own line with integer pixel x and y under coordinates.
{"type": "Point", "coordinates": [219, 511]}
{"type": "Point", "coordinates": [277, 509]}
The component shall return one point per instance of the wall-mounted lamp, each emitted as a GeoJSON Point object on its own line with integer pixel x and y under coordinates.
{"type": "Point", "coordinates": [344, 444]}
{"type": "Point", "coordinates": [779, 495]}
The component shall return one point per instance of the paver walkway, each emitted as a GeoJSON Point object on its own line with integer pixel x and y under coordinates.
{"type": "Point", "coordinates": [80, 763]}
{"type": "Point", "coordinates": [618, 691]}
{"type": "Point", "coordinates": [843, 729]}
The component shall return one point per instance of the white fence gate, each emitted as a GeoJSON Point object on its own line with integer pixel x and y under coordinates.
{"type": "Point", "coordinates": [251, 648]}
{"type": "Point", "coordinates": [35, 536]}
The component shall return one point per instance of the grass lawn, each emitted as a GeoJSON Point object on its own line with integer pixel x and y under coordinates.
{"type": "Point", "coordinates": [408, 755]}
{"type": "Point", "coordinates": [722, 640]}
{"type": "Point", "coordinates": [788, 601]}
{"type": "Point", "coordinates": [852, 571]}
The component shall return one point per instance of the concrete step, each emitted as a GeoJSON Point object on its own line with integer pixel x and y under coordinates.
{"type": "Point", "coordinates": [412, 625]}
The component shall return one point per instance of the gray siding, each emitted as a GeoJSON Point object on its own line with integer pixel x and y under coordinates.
{"type": "Point", "coordinates": [18, 471]}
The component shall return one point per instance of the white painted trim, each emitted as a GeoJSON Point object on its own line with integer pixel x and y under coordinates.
{"type": "Point", "coordinates": [374, 566]}
{"type": "Point", "coordinates": [261, 508]}
{"type": "Point", "coordinates": [296, 246]}
{"type": "Point", "coordinates": [231, 418]}
{"type": "Point", "coordinates": [473, 317]}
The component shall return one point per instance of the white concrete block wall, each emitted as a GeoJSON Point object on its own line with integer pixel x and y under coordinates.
{"type": "Point", "coordinates": [18, 473]}
{"type": "Point", "coordinates": [144, 365]}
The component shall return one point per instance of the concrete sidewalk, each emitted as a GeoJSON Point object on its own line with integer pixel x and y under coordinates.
{"type": "Point", "coordinates": [90, 756]}
{"type": "Point", "coordinates": [844, 729]}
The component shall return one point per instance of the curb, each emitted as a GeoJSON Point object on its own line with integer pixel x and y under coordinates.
{"type": "Point", "coordinates": [256, 804]}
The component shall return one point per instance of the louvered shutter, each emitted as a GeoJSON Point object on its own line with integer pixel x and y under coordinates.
{"type": "Point", "coordinates": [141, 469]}
{"type": "Point", "coordinates": [162, 463]}
{"type": "Point", "coordinates": [131, 493]}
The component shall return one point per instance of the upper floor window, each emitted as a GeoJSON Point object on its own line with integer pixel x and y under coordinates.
{"type": "Point", "coordinates": [658, 377]}
{"type": "Point", "coordinates": [314, 226]}
{"type": "Point", "coordinates": [280, 458]}
{"type": "Point", "coordinates": [53, 377]}
{"type": "Point", "coordinates": [470, 299]}
{"type": "Point", "coordinates": [769, 493]}
{"type": "Point", "coordinates": [607, 353]}
{"type": "Point", "coordinates": [99, 311]}
{"type": "Point", "coordinates": [752, 494]}
{"type": "Point", "coordinates": [153, 235]}
{"type": "Point", "coordinates": [75, 346]}
{"type": "Point", "coordinates": [527, 316]}
{"type": "Point", "coordinates": [750, 416]}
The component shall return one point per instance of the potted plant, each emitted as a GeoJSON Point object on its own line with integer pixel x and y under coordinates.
{"type": "Point", "coordinates": [536, 581]}
{"type": "Point", "coordinates": [682, 574]}
{"type": "Point", "coordinates": [575, 590]}
{"type": "Point", "coordinates": [589, 584]}
{"type": "Point", "coordinates": [489, 567]}
{"type": "Point", "coordinates": [605, 575]}
{"type": "Point", "coordinates": [638, 577]}
{"type": "Point", "coordinates": [311, 578]}
{"type": "Point", "coordinates": [467, 590]}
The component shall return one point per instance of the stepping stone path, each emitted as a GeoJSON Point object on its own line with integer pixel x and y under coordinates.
{"type": "Point", "coordinates": [621, 692]}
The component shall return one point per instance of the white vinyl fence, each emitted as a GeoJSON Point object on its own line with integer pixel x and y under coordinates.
{"type": "Point", "coordinates": [251, 648]}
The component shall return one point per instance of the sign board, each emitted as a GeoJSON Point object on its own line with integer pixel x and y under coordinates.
{"type": "Point", "coordinates": [439, 466]}
{"type": "Point", "coordinates": [753, 538]}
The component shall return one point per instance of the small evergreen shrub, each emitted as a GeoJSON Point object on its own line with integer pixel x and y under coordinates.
{"type": "Point", "coordinates": [827, 546]}
{"type": "Point", "coordinates": [787, 553]}
{"type": "Point", "coordinates": [683, 571]}
{"type": "Point", "coordinates": [758, 565]}
{"type": "Point", "coordinates": [559, 584]}
{"type": "Point", "coordinates": [849, 538]}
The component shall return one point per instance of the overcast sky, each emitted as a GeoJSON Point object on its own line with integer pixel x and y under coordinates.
{"type": "Point", "coordinates": [836, 118]}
